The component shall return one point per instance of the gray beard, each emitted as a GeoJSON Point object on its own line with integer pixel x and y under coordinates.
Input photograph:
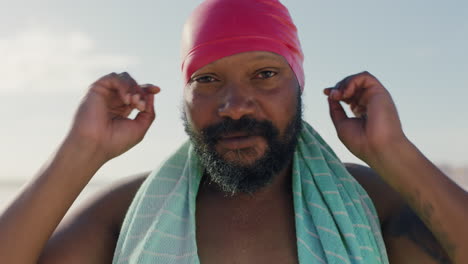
{"type": "Point", "coordinates": [233, 178]}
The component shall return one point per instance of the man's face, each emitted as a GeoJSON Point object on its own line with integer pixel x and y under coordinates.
{"type": "Point", "coordinates": [243, 113]}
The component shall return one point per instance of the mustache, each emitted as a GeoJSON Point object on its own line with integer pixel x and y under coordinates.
{"type": "Point", "coordinates": [247, 125]}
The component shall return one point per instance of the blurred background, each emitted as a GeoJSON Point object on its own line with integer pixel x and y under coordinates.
{"type": "Point", "coordinates": [51, 50]}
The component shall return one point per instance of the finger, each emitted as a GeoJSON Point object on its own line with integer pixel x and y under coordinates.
{"type": "Point", "coordinates": [125, 77]}
{"type": "Point", "coordinates": [135, 88]}
{"type": "Point", "coordinates": [339, 87]}
{"type": "Point", "coordinates": [337, 95]}
{"type": "Point", "coordinates": [150, 104]}
{"type": "Point", "coordinates": [150, 88]}
{"type": "Point", "coordinates": [358, 86]}
{"type": "Point", "coordinates": [141, 106]}
{"type": "Point", "coordinates": [337, 113]}
{"type": "Point", "coordinates": [138, 102]}
{"type": "Point", "coordinates": [135, 99]}
{"type": "Point", "coordinates": [122, 83]}
{"type": "Point", "coordinates": [151, 91]}
{"type": "Point", "coordinates": [327, 91]}
{"type": "Point", "coordinates": [347, 91]}
{"type": "Point", "coordinates": [145, 118]}
{"type": "Point", "coordinates": [333, 92]}
{"type": "Point", "coordinates": [113, 83]}
{"type": "Point", "coordinates": [359, 111]}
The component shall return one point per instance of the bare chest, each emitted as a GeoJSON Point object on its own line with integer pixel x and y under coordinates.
{"type": "Point", "coordinates": [229, 234]}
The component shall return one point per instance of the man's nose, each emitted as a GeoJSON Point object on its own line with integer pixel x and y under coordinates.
{"type": "Point", "coordinates": [237, 102]}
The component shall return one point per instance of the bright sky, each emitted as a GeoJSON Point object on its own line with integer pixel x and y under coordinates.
{"type": "Point", "coordinates": [52, 50]}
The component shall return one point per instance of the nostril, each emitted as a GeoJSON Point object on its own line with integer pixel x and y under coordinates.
{"type": "Point", "coordinates": [237, 109]}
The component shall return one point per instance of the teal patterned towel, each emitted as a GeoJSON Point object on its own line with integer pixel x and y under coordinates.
{"type": "Point", "coordinates": [336, 221]}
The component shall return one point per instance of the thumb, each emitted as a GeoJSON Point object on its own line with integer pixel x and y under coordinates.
{"type": "Point", "coordinates": [337, 112]}
{"type": "Point", "coordinates": [146, 117]}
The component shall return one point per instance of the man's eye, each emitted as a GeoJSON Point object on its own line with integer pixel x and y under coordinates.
{"type": "Point", "coordinates": [266, 74]}
{"type": "Point", "coordinates": [204, 79]}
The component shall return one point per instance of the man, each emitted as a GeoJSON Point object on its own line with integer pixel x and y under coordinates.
{"type": "Point", "coordinates": [255, 184]}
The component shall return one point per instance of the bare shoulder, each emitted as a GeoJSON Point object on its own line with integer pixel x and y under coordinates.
{"type": "Point", "coordinates": [90, 233]}
{"type": "Point", "coordinates": [407, 239]}
{"type": "Point", "coordinates": [385, 199]}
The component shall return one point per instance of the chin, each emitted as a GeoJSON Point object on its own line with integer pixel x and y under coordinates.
{"type": "Point", "coordinates": [240, 158]}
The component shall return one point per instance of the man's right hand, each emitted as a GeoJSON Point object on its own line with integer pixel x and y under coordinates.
{"type": "Point", "coordinates": [101, 123]}
{"type": "Point", "coordinates": [101, 131]}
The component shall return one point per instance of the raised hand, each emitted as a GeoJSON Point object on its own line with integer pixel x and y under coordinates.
{"type": "Point", "coordinates": [376, 123]}
{"type": "Point", "coordinates": [101, 122]}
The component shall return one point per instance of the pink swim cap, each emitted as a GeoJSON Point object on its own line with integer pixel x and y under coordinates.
{"type": "Point", "coordinates": [220, 28]}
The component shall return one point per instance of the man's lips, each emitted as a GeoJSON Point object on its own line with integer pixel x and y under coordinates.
{"type": "Point", "coordinates": [237, 141]}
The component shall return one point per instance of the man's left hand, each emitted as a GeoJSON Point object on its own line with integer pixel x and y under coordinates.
{"type": "Point", "coordinates": [376, 123]}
